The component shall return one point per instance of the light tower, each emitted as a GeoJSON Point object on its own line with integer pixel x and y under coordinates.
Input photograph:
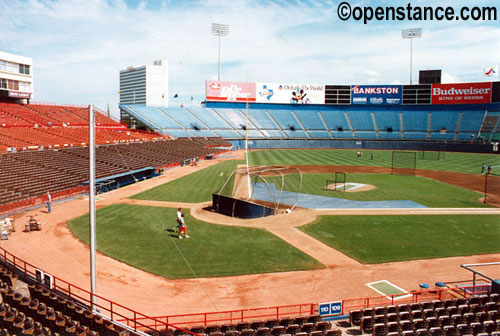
{"type": "Point", "coordinates": [219, 29]}
{"type": "Point", "coordinates": [411, 33]}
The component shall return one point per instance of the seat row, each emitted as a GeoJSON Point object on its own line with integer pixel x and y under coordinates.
{"type": "Point", "coordinates": [301, 325]}
{"type": "Point", "coordinates": [368, 325]}
{"type": "Point", "coordinates": [50, 314]}
{"type": "Point", "coordinates": [449, 307]}
{"type": "Point", "coordinates": [460, 330]}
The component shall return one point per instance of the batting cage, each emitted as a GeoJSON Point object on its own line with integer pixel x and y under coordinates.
{"type": "Point", "coordinates": [403, 163]}
{"type": "Point", "coordinates": [338, 184]}
{"type": "Point", "coordinates": [258, 191]}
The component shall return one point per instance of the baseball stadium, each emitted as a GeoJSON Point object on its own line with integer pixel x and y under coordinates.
{"type": "Point", "coordinates": [310, 210]}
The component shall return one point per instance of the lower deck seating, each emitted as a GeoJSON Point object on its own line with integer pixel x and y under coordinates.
{"type": "Point", "coordinates": [311, 325]}
{"type": "Point", "coordinates": [28, 174]}
{"type": "Point", "coordinates": [460, 316]}
{"type": "Point", "coordinates": [45, 313]}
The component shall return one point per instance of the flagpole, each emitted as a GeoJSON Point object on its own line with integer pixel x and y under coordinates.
{"type": "Point", "coordinates": [92, 215]}
{"type": "Point", "coordinates": [246, 139]}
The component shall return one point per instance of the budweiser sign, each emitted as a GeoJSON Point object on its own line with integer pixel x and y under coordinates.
{"type": "Point", "coordinates": [466, 93]}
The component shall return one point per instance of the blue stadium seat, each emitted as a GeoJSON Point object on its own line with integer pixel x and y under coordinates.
{"type": "Point", "coordinates": [335, 120]}
{"type": "Point", "coordinates": [366, 135]}
{"type": "Point", "coordinates": [415, 121]}
{"type": "Point", "coordinates": [415, 135]}
{"type": "Point", "coordinates": [471, 121]}
{"type": "Point", "coordinates": [262, 119]}
{"type": "Point", "coordinates": [390, 135]}
{"type": "Point", "coordinates": [361, 120]}
{"type": "Point", "coordinates": [184, 117]}
{"type": "Point", "coordinates": [285, 119]}
{"type": "Point", "coordinates": [388, 119]}
{"type": "Point", "coordinates": [319, 134]}
{"type": "Point", "coordinates": [209, 117]}
{"type": "Point", "coordinates": [273, 133]}
{"type": "Point", "coordinates": [311, 120]}
{"type": "Point", "coordinates": [444, 119]}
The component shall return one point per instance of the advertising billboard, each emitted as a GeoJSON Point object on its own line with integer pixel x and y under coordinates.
{"type": "Point", "coordinates": [290, 93]}
{"type": "Point", "coordinates": [376, 94]}
{"type": "Point", "coordinates": [463, 93]}
{"type": "Point", "coordinates": [230, 91]}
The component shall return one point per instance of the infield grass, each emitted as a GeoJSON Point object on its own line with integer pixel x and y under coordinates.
{"type": "Point", "coordinates": [194, 188]}
{"type": "Point", "coordinates": [378, 239]}
{"type": "Point", "coordinates": [138, 236]}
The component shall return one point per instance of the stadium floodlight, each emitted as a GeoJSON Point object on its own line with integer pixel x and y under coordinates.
{"type": "Point", "coordinates": [410, 34]}
{"type": "Point", "coordinates": [219, 29]}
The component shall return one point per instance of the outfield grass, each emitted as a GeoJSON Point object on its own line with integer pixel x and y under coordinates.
{"type": "Point", "coordinates": [136, 235]}
{"type": "Point", "coordinates": [199, 186]}
{"type": "Point", "coordinates": [377, 239]}
{"type": "Point", "coordinates": [388, 187]}
{"type": "Point", "coordinates": [455, 162]}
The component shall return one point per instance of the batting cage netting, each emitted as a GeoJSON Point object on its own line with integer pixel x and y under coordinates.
{"type": "Point", "coordinates": [404, 163]}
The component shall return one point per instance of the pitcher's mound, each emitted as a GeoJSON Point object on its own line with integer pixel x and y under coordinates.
{"type": "Point", "coordinates": [350, 187]}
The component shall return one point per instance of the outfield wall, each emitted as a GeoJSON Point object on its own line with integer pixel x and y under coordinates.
{"type": "Point", "coordinates": [366, 144]}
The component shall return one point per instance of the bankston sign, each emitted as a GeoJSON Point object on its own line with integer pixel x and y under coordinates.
{"type": "Point", "coordinates": [376, 94]}
{"type": "Point", "coordinates": [466, 93]}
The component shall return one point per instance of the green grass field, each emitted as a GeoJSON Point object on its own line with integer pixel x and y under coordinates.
{"type": "Point", "coordinates": [377, 239]}
{"type": "Point", "coordinates": [136, 235]}
{"type": "Point", "coordinates": [195, 188]}
{"type": "Point", "coordinates": [199, 186]}
{"type": "Point", "coordinates": [422, 190]}
{"type": "Point", "coordinates": [455, 162]}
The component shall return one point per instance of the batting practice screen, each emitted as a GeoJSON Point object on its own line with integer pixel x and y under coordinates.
{"type": "Point", "coordinates": [404, 163]}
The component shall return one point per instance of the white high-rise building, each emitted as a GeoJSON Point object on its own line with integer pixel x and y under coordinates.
{"type": "Point", "coordinates": [145, 85]}
{"type": "Point", "coordinates": [16, 77]}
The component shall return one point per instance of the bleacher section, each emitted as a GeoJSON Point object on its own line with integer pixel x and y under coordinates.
{"type": "Point", "coordinates": [377, 123]}
{"type": "Point", "coordinates": [37, 126]}
{"type": "Point", "coordinates": [477, 315]}
{"type": "Point", "coordinates": [29, 174]}
{"type": "Point", "coordinates": [46, 313]}
{"type": "Point", "coordinates": [41, 311]}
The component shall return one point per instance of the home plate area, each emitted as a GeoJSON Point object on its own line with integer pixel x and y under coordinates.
{"type": "Point", "coordinates": [269, 193]}
{"type": "Point", "coordinates": [350, 187]}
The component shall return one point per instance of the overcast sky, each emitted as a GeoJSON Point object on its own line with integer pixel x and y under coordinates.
{"type": "Point", "coordinates": [79, 46]}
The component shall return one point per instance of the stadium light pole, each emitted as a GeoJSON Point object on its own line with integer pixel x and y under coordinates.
{"type": "Point", "coordinates": [219, 29]}
{"type": "Point", "coordinates": [410, 34]}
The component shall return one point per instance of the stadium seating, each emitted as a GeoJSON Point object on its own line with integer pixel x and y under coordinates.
{"type": "Point", "coordinates": [460, 316]}
{"type": "Point", "coordinates": [285, 119]}
{"type": "Point", "coordinates": [393, 123]}
{"type": "Point", "coordinates": [311, 120]}
{"type": "Point", "coordinates": [262, 119]}
{"type": "Point", "coordinates": [361, 120]}
{"type": "Point", "coordinates": [46, 313]}
{"type": "Point", "coordinates": [28, 174]}
{"type": "Point", "coordinates": [37, 126]}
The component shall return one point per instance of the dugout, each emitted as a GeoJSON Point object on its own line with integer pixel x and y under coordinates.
{"type": "Point", "coordinates": [495, 283]}
{"type": "Point", "coordinates": [112, 182]}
